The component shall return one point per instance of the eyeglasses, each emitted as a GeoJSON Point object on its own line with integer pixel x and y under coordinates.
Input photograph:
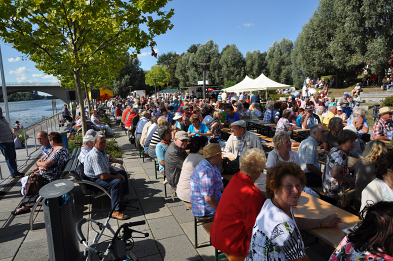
{"type": "Point", "coordinates": [289, 187]}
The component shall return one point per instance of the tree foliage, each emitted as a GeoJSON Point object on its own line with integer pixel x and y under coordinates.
{"type": "Point", "coordinates": [232, 64]}
{"type": "Point", "coordinates": [65, 37]}
{"type": "Point", "coordinates": [279, 61]}
{"type": "Point", "coordinates": [130, 77]}
{"type": "Point", "coordinates": [160, 72]}
{"type": "Point", "coordinates": [255, 64]}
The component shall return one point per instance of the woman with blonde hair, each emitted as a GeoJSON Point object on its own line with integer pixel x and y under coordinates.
{"type": "Point", "coordinates": [365, 167]}
{"type": "Point", "coordinates": [216, 125]}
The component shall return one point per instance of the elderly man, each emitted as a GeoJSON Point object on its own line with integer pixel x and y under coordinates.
{"type": "Point", "coordinates": [231, 115]}
{"type": "Point", "coordinates": [241, 140]}
{"type": "Point", "coordinates": [309, 119]}
{"type": "Point", "coordinates": [332, 113]}
{"type": "Point", "coordinates": [308, 155]}
{"type": "Point", "coordinates": [95, 120]}
{"type": "Point", "coordinates": [139, 127]}
{"type": "Point", "coordinates": [357, 124]}
{"type": "Point", "coordinates": [66, 113]}
{"type": "Point", "coordinates": [174, 158]}
{"type": "Point", "coordinates": [7, 146]}
{"type": "Point", "coordinates": [43, 140]}
{"type": "Point", "coordinates": [268, 116]}
{"type": "Point", "coordinates": [86, 148]}
{"type": "Point", "coordinates": [97, 168]}
{"type": "Point", "coordinates": [383, 128]}
{"type": "Point", "coordinates": [206, 183]}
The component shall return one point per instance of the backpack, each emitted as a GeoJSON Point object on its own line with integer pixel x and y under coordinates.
{"type": "Point", "coordinates": [33, 185]}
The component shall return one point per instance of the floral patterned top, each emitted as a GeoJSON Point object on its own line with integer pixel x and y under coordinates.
{"type": "Point", "coordinates": [282, 125]}
{"type": "Point", "coordinates": [345, 251]}
{"type": "Point", "coordinates": [332, 186]}
{"type": "Point", "coordinates": [60, 157]}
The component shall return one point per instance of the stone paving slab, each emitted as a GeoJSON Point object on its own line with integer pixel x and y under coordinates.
{"type": "Point", "coordinates": [178, 248]}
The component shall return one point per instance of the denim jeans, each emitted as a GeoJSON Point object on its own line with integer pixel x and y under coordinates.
{"type": "Point", "coordinates": [116, 187]}
{"type": "Point", "coordinates": [8, 150]}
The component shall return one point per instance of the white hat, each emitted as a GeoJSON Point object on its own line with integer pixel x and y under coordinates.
{"type": "Point", "coordinates": [88, 138]}
{"type": "Point", "coordinates": [384, 110]}
{"type": "Point", "coordinates": [339, 108]}
{"type": "Point", "coordinates": [178, 115]}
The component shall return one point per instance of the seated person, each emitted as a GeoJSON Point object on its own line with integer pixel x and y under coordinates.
{"type": "Point", "coordinates": [308, 156]}
{"type": "Point", "coordinates": [165, 134]}
{"type": "Point", "coordinates": [268, 116]}
{"type": "Point", "coordinates": [309, 119]}
{"type": "Point", "coordinates": [239, 206]}
{"type": "Point", "coordinates": [380, 189]}
{"type": "Point", "coordinates": [100, 124]}
{"type": "Point", "coordinates": [174, 158]}
{"type": "Point", "coordinates": [282, 151]}
{"type": "Point", "coordinates": [66, 114]}
{"type": "Point", "coordinates": [197, 128]}
{"type": "Point", "coordinates": [189, 164]}
{"type": "Point", "coordinates": [50, 166]}
{"type": "Point", "coordinates": [43, 140]}
{"type": "Point", "coordinates": [97, 168]}
{"type": "Point", "coordinates": [371, 238]}
{"type": "Point", "coordinates": [364, 169]}
{"type": "Point", "coordinates": [206, 183]}
{"type": "Point", "coordinates": [356, 90]}
{"type": "Point", "coordinates": [336, 177]}
{"type": "Point", "coordinates": [384, 125]}
{"type": "Point", "coordinates": [276, 233]}
{"type": "Point", "coordinates": [155, 138]}
{"type": "Point", "coordinates": [232, 116]}
{"type": "Point", "coordinates": [241, 140]}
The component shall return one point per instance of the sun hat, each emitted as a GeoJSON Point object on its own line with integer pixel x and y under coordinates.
{"type": "Point", "coordinates": [240, 123]}
{"type": "Point", "coordinates": [181, 135]}
{"type": "Point", "coordinates": [339, 108]}
{"type": "Point", "coordinates": [88, 138]}
{"type": "Point", "coordinates": [178, 115]}
{"type": "Point", "coordinates": [210, 150]}
{"type": "Point", "coordinates": [384, 110]}
{"type": "Point", "coordinates": [91, 132]}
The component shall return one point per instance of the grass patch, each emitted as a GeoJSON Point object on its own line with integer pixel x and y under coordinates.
{"type": "Point", "coordinates": [111, 145]}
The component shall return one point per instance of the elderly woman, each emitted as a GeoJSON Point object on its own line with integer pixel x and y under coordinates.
{"type": "Point", "coordinates": [155, 139]}
{"type": "Point", "coordinates": [256, 113]}
{"type": "Point", "coordinates": [216, 125]}
{"type": "Point", "coordinates": [189, 164]}
{"type": "Point", "coordinates": [381, 188]}
{"type": "Point", "coordinates": [197, 128]}
{"type": "Point", "coordinates": [340, 114]}
{"type": "Point", "coordinates": [372, 238]}
{"type": "Point", "coordinates": [364, 168]}
{"type": "Point", "coordinates": [239, 206]}
{"type": "Point", "coordinates": [50, 166]}
{"type": "Point", "coordinates": [165, 133]}
{"type": "Point", "coordinates": [283, 124]}
{"type": "Point", "coordinates": [282, 151]}
{"type": "Point", "coordinates": [336, 177]}
{"type": "Point", "coordinates": [320, 111]}
{"type": "Point", "coordinates": [283, 189]}
{"type": "Point", "coordinates": [335, 126]}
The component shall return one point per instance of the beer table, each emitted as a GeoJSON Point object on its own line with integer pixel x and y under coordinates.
{"type": "Point", "coordinates": [312, 207]}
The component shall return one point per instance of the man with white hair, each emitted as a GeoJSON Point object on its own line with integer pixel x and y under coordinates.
{"type": "Point", "coordinates": [357, 124]}
{"type": "Point", "coordinates": [241, 140]}
{"type": "Point", "coordinates": [268, 116]}
{"type": "Point", "coordinates": [86, 148]}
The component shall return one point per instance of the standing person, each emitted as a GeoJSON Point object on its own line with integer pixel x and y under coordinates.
{"type": "Point", "coordinates": [7, 146]}
{"type": "Point", "coordinates": [73, 109]}
{"type": "Point", "coordinates": [43, 140]}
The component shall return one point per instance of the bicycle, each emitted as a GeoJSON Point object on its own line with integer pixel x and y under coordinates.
{"type": "Point", "coordinates": [119, 247]}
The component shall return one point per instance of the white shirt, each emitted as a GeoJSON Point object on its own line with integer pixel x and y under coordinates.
{"type": "Point", "coordinates": [377, 190]}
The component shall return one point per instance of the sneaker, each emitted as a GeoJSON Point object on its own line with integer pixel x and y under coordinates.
{"type": "Point", "coordinates": [120, 216]}
{"type": "Point", "coordinates": [18, 175]}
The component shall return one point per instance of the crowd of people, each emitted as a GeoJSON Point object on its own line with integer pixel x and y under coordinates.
{"type": "Point", "coordinates": [186, 136]}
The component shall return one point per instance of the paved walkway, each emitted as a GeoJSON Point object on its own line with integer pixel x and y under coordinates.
{"type": "Point", "coordinates": [169, 223]}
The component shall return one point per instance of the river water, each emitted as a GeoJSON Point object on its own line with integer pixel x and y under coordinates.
{"type": "Point", "coordinates": [30, 112]}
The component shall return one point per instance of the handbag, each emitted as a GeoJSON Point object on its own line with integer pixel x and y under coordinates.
{"type": "Point", "coordinates": [33, 185]}
{"type": "Point", "coordinates": [231, 167]}
{"type": "Point", "coordinates": [347, 197]}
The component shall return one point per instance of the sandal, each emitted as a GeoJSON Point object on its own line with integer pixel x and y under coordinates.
{"type": "Point", "coordinates": [120, 216]}
{"type": "Point", "coordinates": [20, 211]}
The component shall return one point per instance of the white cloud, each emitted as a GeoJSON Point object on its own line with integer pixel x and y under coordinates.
{"type": "Point", "coordinates": [51, 78]}
{"type": "Point", "coordinates": [147, 53]}
{"type": "Point", "coordinates": [14, 60]}
{"type": "Point", "coordinates": [20, 74]}
{"type": "Point", "coordinates": [37, 75]}
{"type": "Point", "coordinates": [248, 24]}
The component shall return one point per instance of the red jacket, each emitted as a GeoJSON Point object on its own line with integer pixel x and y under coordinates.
{"type": "Point", "coordinates": [235, 216]}
{"type": "Point", "coordinates": [125, 112]}
{"type": "Point", "coordinates": [129, 119]}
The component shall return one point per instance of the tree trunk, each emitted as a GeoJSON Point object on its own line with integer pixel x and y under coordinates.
{"type": "Point", "coordinates": [80, 99]}
{"type": "Point", "coordinates": [88, 99]}
{"type": "Point", "coordinates": [337, 83]}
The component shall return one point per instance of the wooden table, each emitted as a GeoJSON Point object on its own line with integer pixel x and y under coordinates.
{"type": "Point", "coordinates": [312, 207]}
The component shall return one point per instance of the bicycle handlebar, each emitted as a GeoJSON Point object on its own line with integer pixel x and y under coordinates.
{"type": "Point", "coordinates": [78, 229]}
{"type": "Point", "coordinates": [136, 223]}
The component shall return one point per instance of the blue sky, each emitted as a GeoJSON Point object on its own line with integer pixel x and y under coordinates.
{"type": "Point", "coordinates": [250, 24]}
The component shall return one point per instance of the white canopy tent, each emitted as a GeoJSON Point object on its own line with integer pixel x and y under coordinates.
{"type": "Point", "coordinates": [261, 83]}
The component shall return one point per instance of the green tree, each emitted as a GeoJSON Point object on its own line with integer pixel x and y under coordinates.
{"type": "Point", "coordinates": [68, 35]}
{"type": "Point", "coordinates": [279, 61]}
{"type": "Point", "coordinates": [255, 64]}
{"type": "Point", "coordinates": [160, 72]}
{"type": "Point", "coordinates": [174, 81]}
{"type": "Point", "coordinates": [131, 76]}
{"type": "Point", "coordinates": [184, 68]}
{"type": "Point", "coordinates": [166, 58]}
{"type": "Point", "coordinates": [193, 48]}
{"type": "Point", "coordinates": [207, 53]}
{"type": "Point", "coordinates": [232, 64]}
